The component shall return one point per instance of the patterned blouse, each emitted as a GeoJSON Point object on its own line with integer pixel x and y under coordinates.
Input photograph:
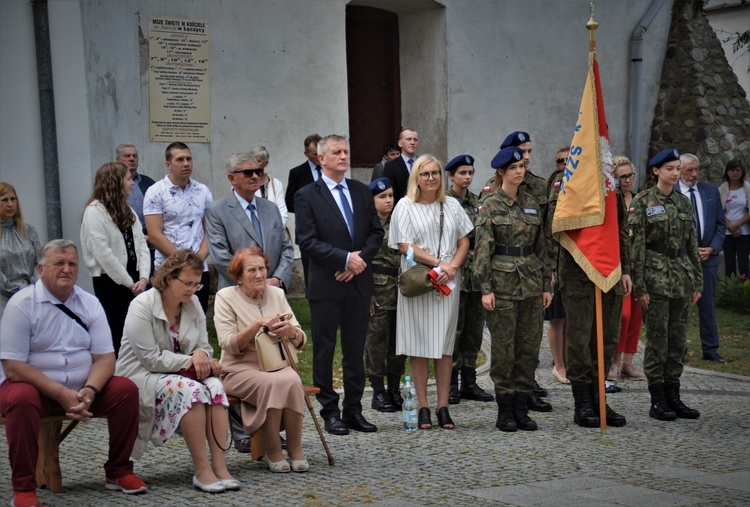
{"type": "Point", "coordinates": [17, 257]}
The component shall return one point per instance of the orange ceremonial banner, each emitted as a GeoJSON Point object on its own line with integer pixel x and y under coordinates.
{"type": "Point", "coordinates": [585, 221]}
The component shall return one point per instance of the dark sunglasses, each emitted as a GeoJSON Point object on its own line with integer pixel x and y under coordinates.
{"type": "Point", "coordinates": [248, 173]}
{"type": "Point", "coordinates": [560, 160]}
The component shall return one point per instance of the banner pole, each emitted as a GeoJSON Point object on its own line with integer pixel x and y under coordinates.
{"type": "Point", "coordinates": [600, 362]}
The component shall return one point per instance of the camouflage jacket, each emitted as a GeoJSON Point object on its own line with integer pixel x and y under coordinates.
{"type": "Point", "coordinates": [658, 220]}
{"type": "Point", "coordinates": [386, 286]}
{"type": "Point", "coordinates": [470, 206]}
{"type": "Point", "coordinates": [503, 221]}
{"type": "Point", "coordinates": [554, 246]}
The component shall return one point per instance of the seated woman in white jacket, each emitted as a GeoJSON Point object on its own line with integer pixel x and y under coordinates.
{"type": "Point", "coordinates": [113, 245]}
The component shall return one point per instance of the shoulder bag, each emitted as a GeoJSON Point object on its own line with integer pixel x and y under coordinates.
{"type": "Point", "coordinates": [270, 350]}
{"type": "Point", "coordinates": [415, 281]}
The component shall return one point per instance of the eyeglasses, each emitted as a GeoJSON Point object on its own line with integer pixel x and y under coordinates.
{"type": "Point", "coordinates": [430, 175]}
{"type": "Point", "coordinates": [560, 161]}
{"type": "Point", "coordinates": [249, 173]}
{"type": "Point", "coordinates": [626, 177]}
{"type": "Point", "coordinates": [191, 285]}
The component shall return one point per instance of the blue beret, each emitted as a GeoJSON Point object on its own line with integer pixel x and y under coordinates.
{"type": "Point", "coordinates": [506, 156]}
{"type": "Point", "coordinates": [380, 185]}
{"type": "Point", "coordinates": [458, 161]}
{"type": "Point", "coordinates": [664, 156]}
{"type": "Point", "coordinates": [515, 139]}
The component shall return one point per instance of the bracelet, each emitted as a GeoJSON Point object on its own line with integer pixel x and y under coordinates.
{"type": "Point", "coordinates": [93, 389]}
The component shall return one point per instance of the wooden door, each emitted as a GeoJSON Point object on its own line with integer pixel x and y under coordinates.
{"type": "Point", "coordinates": [373, 82]}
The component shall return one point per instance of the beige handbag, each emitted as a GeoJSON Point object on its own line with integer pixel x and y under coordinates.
{"type": "Point", "coordinates": [271, 354]}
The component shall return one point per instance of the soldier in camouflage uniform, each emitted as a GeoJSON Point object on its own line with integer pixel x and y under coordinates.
{"type": "Point", "coordinates": [578, 297]}
{"type": "Point", "coordinates": [667, 278]}
{"type": "Point", "coordinates": [380, 346]}
{"type": "Point", "coordinates": [536, 187]}
{"type": "Point", "coordinates": [510, 262]}
{"type": "Point", "coordinates": [470, 313]}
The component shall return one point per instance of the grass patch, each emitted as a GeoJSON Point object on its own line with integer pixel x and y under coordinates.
{"type": "Point", "coordinates": [734, 342]}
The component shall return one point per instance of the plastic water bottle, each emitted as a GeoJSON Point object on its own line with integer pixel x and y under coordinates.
{"type": "Point", "coordinates": [410, 405]}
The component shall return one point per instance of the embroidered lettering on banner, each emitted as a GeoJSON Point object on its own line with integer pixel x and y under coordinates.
{"type": "Point", "coordinates": [655, 210]}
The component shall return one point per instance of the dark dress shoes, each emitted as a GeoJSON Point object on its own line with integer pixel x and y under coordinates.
{"type": "Point", "coordinates": [335, 426]}
{"type": "Point", "coordinates": [357, 422]}
{"type": "Point", "coordinates": [716, 358]}
{"type": "Point", "coordinates": [382, 402]}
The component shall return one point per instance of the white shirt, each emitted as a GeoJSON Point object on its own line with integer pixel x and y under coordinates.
{"type": "Point", "coordinates": [36, 332]}
{"type": "Point", "coordinates": [406, 161]}
{"type": "Point", "coordinates": [315, 173]}
{"type": "Point", "coordinates": [182, 213]}
{"type": "Point", "coordinates": [337, 197]}
{"type": "Point", "coordinates": [698, 202]}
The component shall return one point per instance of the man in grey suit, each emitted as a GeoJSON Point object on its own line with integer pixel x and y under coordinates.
{"type": "Point", "coordinates": [241, 219]}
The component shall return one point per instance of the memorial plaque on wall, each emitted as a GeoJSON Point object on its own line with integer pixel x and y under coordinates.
{"type": "Point", "coordinates": [179, 105]}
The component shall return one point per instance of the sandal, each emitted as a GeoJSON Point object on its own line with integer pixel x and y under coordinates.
{"type": "Point", "coordinates": [444, 419]}
{"type": "Point", "coordinates": [423, 419]}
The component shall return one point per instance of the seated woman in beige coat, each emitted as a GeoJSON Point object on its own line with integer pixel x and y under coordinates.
{"type": "Point", "coordinates": [165, 351]}
{"type": "Point", "coordinates": [268, 398]}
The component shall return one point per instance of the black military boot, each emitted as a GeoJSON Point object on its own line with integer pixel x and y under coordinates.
{"type": "Point", "coordinates": [380, 401]}
{"type": "Point", "coordinates": [584, 414]}
{"type": "Point", "coordinates": [539, 390]}
{"type": "Point", "coordinates": [613, 418]}
{"type": "Point", "coordinates": [535, 403]}
{"type": "Point", "coordinates": [521, 413]}
{"type": "Point", "coordinates": [672, 396]}
{"type": "Point", "coordinates": [469, 388]}
{"type": "Point", "coordinates": [454, 398]}
{"type": "Point", "coordinates": [505, 420]}
{"type": "Point", "coordinates": [394, 391]}
{"type": "Point", "coordinates": [659, 408]}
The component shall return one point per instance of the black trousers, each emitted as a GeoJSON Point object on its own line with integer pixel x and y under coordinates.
{"type": "Point", "coordinates": [115, 300]}
{"type": "Point", "coordinates": [351, 315]}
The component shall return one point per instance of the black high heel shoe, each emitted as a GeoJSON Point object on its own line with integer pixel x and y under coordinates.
{"type": "Point", "coordinates": [423, 419]}
{"type": "Point", "coordinates": [444, 419]}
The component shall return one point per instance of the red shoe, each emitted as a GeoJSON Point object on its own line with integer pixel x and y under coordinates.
{"type": "Point", "coordinates": [24, 499]}
{"type": "Point", "coordinates": [130, 484]}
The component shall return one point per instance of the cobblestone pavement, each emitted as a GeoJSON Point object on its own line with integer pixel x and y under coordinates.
{"type": "Point", "coordinates": [647, 462]}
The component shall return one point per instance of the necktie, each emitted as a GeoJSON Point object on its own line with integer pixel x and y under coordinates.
{"type": "Point", "coordinates": [348, 215]}
{"type": "Point", "coordinates": [254, 219]}
{"type": "Point", "coordinates": [695, 212]}
{"type": "Point", "coordinates": [318, 170]}
{"type": "Point", "coordinates": [411, 162]}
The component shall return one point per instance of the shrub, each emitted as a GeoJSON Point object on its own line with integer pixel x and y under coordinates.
{"type": "Point", "coordinates": [733, 294]}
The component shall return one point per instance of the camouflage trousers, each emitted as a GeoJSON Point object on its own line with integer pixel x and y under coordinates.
{"type": "Point", "coordinates": [666, 335]}
{"type": "Point", "coordinates": [380, 346]}
{"type": "Point", "coordinates": [469, 330]}
{"type": "Point", "coordinates": [579, 300]}
{"type": "Point", "coordinates": [516, 330]}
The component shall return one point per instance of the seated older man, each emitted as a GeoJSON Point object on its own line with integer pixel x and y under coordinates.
{"type": "Point", "coordinates": [57, 358]}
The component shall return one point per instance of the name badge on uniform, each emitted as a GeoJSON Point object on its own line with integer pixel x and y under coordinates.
{"type": "Point", "coordinates": [655, 210]}
{"type": "Point", "coordinates": [530, 211]}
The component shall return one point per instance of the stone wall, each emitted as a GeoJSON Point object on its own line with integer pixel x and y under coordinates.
{"type": "Point", "coordinates": [701, 108]}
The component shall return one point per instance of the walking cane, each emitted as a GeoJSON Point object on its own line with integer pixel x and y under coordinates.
{"type": "Point", "coordinates": [309, 405]}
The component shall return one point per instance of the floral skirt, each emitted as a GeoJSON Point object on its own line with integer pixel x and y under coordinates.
{"type": "Point", "coordinates": [175, 395]}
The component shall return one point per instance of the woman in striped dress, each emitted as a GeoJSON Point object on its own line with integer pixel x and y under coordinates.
{"type": "Point", "coordinates": [426, 324]}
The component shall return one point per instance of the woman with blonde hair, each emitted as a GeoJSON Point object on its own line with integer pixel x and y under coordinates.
{"type": "Point", "coordinates": [113, 246]}
{"type": "Point", "coordinates": [630, 328]}
{"type": "Point", "coordinates": [430, 228]}
{"type": "Point", "coordinates": [19, 246]}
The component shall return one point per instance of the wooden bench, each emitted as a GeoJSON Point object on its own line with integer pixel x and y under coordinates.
{"type": "Point", "coordinates": [51, 434]}
{"type": "Point", "coordinates": [257, 448]}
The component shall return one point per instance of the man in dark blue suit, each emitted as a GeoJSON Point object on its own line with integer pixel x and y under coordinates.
{"type": "Point", "coordinates": [305, 173]}
{"type": "Point", "coordinates": [339, 231]}
{"type": "Point", "coordinates": [711, 227]}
